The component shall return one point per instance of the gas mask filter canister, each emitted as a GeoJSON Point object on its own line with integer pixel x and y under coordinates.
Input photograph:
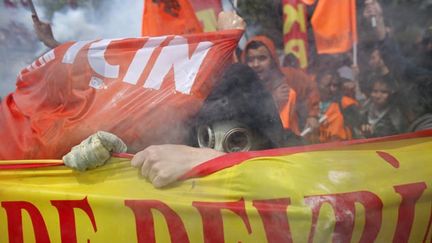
{"type": "Point", "coordinates": [227, 136]}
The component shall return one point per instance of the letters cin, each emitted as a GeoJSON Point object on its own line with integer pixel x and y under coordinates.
{"type": "Point", "coordinates": [174, 54]}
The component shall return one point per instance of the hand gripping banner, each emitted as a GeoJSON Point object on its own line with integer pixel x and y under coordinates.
{"type": "Point", "coordinates": [362, 191]}
{"type": "Point", "coordinates": [141, 89]}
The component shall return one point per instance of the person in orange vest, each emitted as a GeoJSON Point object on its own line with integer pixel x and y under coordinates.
{"type": "Point", "coordinates": [260, 54]}
{"type": "Point", "coordinates": [335, 110]}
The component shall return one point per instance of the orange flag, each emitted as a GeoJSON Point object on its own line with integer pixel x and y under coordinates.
{"type": "Point", "coordinates": [165, 17]}
{"type": "Point", "coordinates": [334, 24]}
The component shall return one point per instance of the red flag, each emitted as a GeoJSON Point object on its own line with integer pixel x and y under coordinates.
{"type": "Point", "coordinates": [295, 31]}
{"type": "Point", "coordinates": [141, 89]}
{"type": "Point", "coordinates": [334, 24]}
{"type": "Point", "coordinates": [169, 17]}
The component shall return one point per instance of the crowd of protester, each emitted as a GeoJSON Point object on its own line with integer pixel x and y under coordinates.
{"type": "Point", "coordinates": [333, 100]}
{"type": "Point", "coordinates": [385, 94]}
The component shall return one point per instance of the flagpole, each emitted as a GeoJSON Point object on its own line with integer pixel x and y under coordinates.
{"type": "Point", "coordinates": [354, 32]}
{"type": "Point", "coordinates": [33, 10]}
{"type": "Point", "coordinates": [355, 62]}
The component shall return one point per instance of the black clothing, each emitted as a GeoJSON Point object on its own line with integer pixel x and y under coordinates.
{"type": "Point", "coordinates": [386, 123]}
{"type": "Point", "coordinates": [240, 96]}
{"type": "Point", "coordinates": [405, 70]}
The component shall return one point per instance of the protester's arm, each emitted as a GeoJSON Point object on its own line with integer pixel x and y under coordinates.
{"type": "Point", "coordinates": [160, 164]}
{"type": "Point", "coordinates": [312, 102]}
{"type": "Point", "coordinates": [44, 33]}
{"type": "Point", "coordinates": [313, 106]}
{"type": "Point", "coordinates": [164, 164]}
{"type": "Point", "coordinates": [228, 20]}
{"type": "Point", "coordinates": [373, 12]}
{"type": "Point", "coordinates": [388, 47]}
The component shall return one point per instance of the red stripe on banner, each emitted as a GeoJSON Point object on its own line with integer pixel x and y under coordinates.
{"type": "Point", "coordinates": [18, 166]}
{"type": "Point", "coordinates": [123, 155]}
{"type": "Point", "coordinates": [389, 158]}
{"type": "Point", "coordinates": [232, 159]}
{"type": "Point", "coordinates": [28, 165]}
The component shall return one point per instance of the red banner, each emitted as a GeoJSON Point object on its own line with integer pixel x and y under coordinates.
{"type": "Point", "coordinates": [141, 89]}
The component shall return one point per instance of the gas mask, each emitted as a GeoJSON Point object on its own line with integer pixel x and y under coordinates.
{"type": "Point", "coordinates": [228, 136]}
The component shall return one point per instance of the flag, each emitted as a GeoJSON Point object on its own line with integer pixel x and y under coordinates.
{"type": "Point", "coordinates": [141, 89]}
{"type": "Point", "coordinates": [169, 17]}
{"type": "Point", "coordinates": [334, 25]}
{"type": "Point", "coordinates": [295, 31]}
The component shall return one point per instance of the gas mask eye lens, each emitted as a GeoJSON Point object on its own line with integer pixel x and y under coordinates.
{"type": "Point", "coordinates": [227, 136]}
{"type": "Point", "coordinates": [237, 140]}
{"type": "Point", "coordinates": [206, 138]}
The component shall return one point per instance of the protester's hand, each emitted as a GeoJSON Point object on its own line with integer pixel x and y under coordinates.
{"type": "Point", "coordinates": [356, 72]}
{"type": "Point", "coordinates": [94, 151]}
{"type": "Point", "coordinates": [312, 122]}
{"type": "Point", "coordinates": [366, 129]}
{"type": "Point", "coordinates": [164, 164]}
{"type": "Point", "coordinates": [313, 136]}
{"type": "Point", "coordinates": [281, 94]}
{"type": "Point", "coordinates": [372, 9]}
{"type": "Point", "coordinates": [44, 32]}
{"type": "Point", "coordinates": [230, 20]}
{"type": "Point", "coordinates": [373, 12]}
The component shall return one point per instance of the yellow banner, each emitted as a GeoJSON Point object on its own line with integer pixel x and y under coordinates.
{"type": "Point", "coordinates": [365, 192]}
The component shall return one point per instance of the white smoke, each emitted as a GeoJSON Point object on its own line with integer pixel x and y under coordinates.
{"type": "Point", "coordinates": [74, 24]}
{"type": "Point", "coordinates": [113, 19]}
{"type": "Point", "coordinates": [19, 45]}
